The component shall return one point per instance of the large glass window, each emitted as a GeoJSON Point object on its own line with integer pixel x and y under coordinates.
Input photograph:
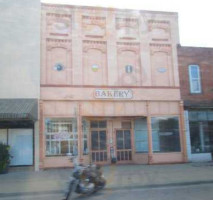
{"type": "Point", "coordinates": [201, 131]}
{"type": "Point", "coordinates": [194, 77]}
{"type": "Point", "coordinates": [61, 136]}
{"type": "Point", "coordinates": [165, 134]}
{"type": "Point", "coordinates": [141, 135]}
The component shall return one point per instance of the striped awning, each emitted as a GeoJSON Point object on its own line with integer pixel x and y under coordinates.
{"type": "Point", "coordinates": [25, 109]}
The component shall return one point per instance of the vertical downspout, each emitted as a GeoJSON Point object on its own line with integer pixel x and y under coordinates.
{"type": "Point", "coordinates": [183, 132]}
{"type": "Point", "coordinates": [149, 126]}
{"type": "Point", "coordinates": [79, 121]}
{"type": "Point", "coordinates": [41, 137]}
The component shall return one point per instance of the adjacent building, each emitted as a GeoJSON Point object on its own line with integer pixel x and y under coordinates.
{"type": "Point", "coordinates": [20, 80]}
{"type": "Point", "coordinates": [110, 87]}
{"type": "Point", "coordinates": [196, 81]}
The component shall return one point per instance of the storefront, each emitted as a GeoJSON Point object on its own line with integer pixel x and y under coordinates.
{"type": "Point", "coordinates": [19, 129]}
{"type": "Point", "coordinates": [104, 130]}
{"type": "Point", "coordinates": [199, 134]}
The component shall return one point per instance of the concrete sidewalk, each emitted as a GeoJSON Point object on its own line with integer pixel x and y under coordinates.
{"type": "Point", "coordinates": [118, 177]}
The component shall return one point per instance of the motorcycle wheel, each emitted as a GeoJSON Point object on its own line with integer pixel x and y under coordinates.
{"type": "Point", "coordinates": [71, 190]}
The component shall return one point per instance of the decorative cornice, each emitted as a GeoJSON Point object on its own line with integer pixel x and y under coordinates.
{"type": "Point", "coordinates": [159, 24]}
{"type": "Point", "coordinates": [128, 46]}
{"type": "Point", "coordinates": [58, 40]}
{"type": "Point", "coordinates": [94, 36]}
{"type": "Point", "coordinates": [93, 42]}
{"type": "Point", "coordinates": [59, 34]}
{"type": "Point", "coordinates": [57, 8]}
{"type": "Point", "coordinates": [55, 43]}
{"type": "Point", "coordinates": [158, 21]}
{"type": "Point", "coordinates": [129, 43]}
{"type": "Point", "coordinates": [99, 45]}
{"type": "Point", "coordinates": [127, 19]}
{"type": "Point", "coordinates": [126, 22]}
{"type": "Point", "coordinates": [93, 17]}
{"type": "Point", "coordinates": [159, 40]}
{"type": "Point", "coordinates": [58, 15]}
{"type": "Point", "coordinates": [157, 47]}
{"type": "Point", "coordinates": [109, 86]}
{"type": "Point", "coordinates": [94, 20]}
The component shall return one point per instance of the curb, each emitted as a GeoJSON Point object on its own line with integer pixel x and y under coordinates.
{"type": "Point", "coordinates": [160, 185]}
{"type": "Point", "coordinates": [109, 188]}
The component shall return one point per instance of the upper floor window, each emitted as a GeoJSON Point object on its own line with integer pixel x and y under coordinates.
{"type": "Point", "coordinates": [194, 77]}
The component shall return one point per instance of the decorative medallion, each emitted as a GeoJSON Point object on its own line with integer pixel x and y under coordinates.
{"type": "Point", "coordinates": [128, 69]}
{"type": "Point", "coordinates": [162, 69]}
{"type": "Point", "coordinates": [58, 67]}
{"type": "Point", "coordinates": [95, 68]}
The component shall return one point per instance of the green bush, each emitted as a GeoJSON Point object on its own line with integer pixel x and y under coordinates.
{"type": "Point", "coordinates": [4, 157]}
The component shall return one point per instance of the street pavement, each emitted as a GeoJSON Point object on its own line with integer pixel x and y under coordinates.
{"type": "Point", "coordinates": [190, 192]}
{"type": "Point", "coordinates": [52, 182]}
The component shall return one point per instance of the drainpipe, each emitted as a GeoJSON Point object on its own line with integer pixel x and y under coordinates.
{"type": "Point", "coordinates": [79, 121]}
{"type": "Point", "coordinates": [149, 127]}
{"type": "Point", "coordinates": [183, 133]}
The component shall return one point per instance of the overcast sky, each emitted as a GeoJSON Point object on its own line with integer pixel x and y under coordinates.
{"type": "Point", "coordinates": [195, 16]}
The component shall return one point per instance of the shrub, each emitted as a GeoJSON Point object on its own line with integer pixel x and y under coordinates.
{"type": "Point", "coordinates": [4, 157]}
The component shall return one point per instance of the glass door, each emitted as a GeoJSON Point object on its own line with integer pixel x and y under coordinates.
{"type": "Point", "coordinates": [98, 141]}
{"type": "Point", "coordinates": [123, 145]}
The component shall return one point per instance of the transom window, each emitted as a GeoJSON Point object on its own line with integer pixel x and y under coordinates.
{"type": "Point", "coordinates": [194, 77]}
{"type": "Point", "coordinates": [61, 136]}
{"type": "Point", "coordinates": [98, 124]}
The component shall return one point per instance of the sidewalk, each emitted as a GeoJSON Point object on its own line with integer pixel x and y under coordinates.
{"type": "Point", "coordinates": [118, 177]}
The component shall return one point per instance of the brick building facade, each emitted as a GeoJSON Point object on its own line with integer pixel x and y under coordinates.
{"type": "Point", "coordinates": [196, 81]}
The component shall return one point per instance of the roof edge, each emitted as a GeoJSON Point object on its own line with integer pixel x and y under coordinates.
{"type": "Point", "coordinates": [109, 8]}
{"type": "Point", "coordinates": [195, 47]}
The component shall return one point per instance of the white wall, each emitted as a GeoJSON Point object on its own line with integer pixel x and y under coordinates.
{"type": "Point", "coordinates": [20, 48]}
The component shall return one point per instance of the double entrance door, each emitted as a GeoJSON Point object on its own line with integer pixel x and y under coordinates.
{"type": "Point", "coordinates": [105, 145]}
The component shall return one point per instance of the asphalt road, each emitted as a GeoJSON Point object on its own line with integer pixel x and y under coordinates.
{"type": "Point", "coordinates": [192, 192]}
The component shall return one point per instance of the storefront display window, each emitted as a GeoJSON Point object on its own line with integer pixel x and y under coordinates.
{"type": "Point", "coordinates": [61, 136]}
{"type": "Point", "coordinates": [201, 131]}
{"type": "Point", "coordinates": [165, 134]}
{"type": "Point", "coordinates": [141, 135]}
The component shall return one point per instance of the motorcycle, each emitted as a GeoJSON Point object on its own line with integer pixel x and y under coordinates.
{"type": "Point", "coordinates": [85, 179]}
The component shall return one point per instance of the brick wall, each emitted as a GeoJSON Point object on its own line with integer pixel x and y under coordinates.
{"type": "Point", "coordinates": [204, 58]}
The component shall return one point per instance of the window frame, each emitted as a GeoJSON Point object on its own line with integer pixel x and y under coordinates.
{"type": "Point", "coordinates": [179, 134]}
{"type": "Point", "coordinates": [191, 79]}
{"type": "Point", "coordinates": [74, 138]}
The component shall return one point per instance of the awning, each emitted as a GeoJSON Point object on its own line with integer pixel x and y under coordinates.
{"type": "Point", "coordinates": [19, 109]}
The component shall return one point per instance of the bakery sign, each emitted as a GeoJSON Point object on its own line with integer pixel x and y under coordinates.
{"type": "Point", "coordinates": [113, 94]}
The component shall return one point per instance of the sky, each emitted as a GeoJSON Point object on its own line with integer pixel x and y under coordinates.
{"type": "Point", "coordinates": [195, 16]}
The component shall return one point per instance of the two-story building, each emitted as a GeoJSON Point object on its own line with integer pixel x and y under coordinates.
{"type": "Point", "coordinates": [109, 86]}
{"type": "Point", "coordinates": [196, 81]}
